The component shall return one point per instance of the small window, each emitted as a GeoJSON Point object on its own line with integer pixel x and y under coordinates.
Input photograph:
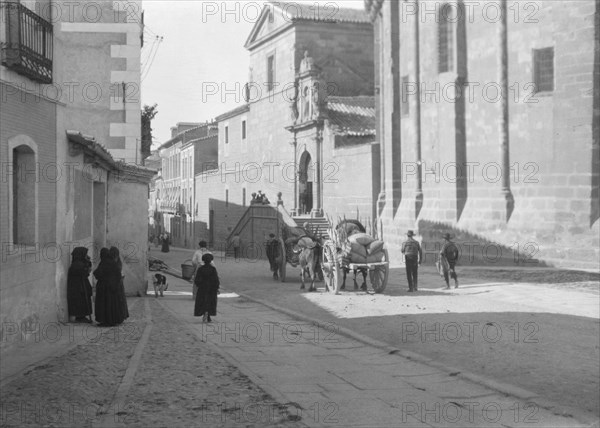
{"type": "Point", "coordinates": [243, 129]}
{"type": "Point", "coordinates": [543, 69]}
{"type": "Point", "coordinates": [226, 198]}
{"type": "Point", "coordinates": [227, 135]}
{"type": "Point", "coordinates": [24, 202]}
{"type": "Point", "coordinates": [270, 72]}
{"type": "Point", "coordinates": [404, 93]}
{"type": "Point", "coordinates": [445, 39]}
{"type": "Point", "coordinates": [244, 197]}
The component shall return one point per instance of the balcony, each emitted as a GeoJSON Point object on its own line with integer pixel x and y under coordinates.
{"type": "Point", "coordinates": [27, 45]}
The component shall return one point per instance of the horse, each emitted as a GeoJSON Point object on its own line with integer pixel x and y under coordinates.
{"type": "Point", "coordinates": [308, 262]}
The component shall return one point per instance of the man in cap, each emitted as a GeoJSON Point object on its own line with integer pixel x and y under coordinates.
{"type": "Point", "coordinates": [449, 255]}
{"type": "Point", "coordinates": [412, 257]}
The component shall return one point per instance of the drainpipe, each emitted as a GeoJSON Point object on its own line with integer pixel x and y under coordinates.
{"type": "Point", "coordinates": [419, 189]}
{"type": "Point", "coordinates": [504, 129]}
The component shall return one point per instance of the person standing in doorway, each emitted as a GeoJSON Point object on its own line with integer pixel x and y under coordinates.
{"type": "Point", "coordinates": [412, 257]}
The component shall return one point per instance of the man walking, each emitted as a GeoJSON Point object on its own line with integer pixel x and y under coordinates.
{"type": "Point", "coordinates": [412, 257]}
{"type": "Point", "coordinates": [449, 255]}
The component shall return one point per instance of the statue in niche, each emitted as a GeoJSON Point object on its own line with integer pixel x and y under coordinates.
{"type": "Point", "coordinates": [307, 63]}
{"type": "Point", "coordinates": [294, 103]}
{"type": "Point", "coordinates": [306, 103]}
{"type": "Point", "coordinates": [316, 100]}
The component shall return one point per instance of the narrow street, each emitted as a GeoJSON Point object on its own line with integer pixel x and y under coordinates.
{"type": "Point", "coordinates": [257, 366]}
{"type": "Point", "coordinates": [540, 336]}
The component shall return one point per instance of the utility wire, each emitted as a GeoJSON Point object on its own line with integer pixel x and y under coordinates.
{"type": "Point", "coordinates": [153, 57]}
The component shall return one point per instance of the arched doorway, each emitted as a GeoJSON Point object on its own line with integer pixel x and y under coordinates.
{"type": "Point", "coordinates": [305, 184]}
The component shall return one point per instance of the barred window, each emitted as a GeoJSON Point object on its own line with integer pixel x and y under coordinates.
{"type": "Point", "coordinates": [543, 69]}
{"type": "Point", "coordinates": [446, 39]}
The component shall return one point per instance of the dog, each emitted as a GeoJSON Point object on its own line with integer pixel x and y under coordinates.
{"type": "Point", "coordinates": [160, 284]}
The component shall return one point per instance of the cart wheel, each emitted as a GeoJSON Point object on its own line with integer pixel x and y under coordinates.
{"type": "Point", "coordinates": [331, 269]}
{"type": "Point", "coordinates": [281, 260]}
{"type": "Point", "coordinates": [379, 275]}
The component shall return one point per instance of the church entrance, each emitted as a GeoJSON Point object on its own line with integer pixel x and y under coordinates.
{"type": "Point", "coordinates": [305, 184]}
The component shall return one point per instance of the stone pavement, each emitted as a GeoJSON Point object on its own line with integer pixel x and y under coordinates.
{"type": "Point", "coordinates": [339, 381]}
{"type": "Point", "coordinates": [254, 366]}
{"type": "Point", "coordinates": [150, 371]}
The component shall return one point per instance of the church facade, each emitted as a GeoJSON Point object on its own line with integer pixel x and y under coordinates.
{"type": "Point", "coordinates": [309, 116]}
{"type": "Point", "coordinates": [489, 128]}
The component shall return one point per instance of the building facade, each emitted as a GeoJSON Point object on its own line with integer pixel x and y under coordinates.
{"type": "Point", "coordinates": [68, 150]}
{"type": "Point", "coordinates": [193, 146]}
{"type": "Point", "coordinates": [299, 59]}
{"type": "Point", "coordinates": [489, 128]}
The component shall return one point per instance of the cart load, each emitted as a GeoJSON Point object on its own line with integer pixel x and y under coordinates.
{"type": "Point", "coordinates": [351, 248]}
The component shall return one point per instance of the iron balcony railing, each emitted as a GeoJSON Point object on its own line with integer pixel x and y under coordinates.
{"type": "Point", "coordinates": [27, 48]}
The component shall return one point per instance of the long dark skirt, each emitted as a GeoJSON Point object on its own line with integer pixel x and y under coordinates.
{"type": "Point", "coordinates": [206, 302]}
{"type": "Point", "coordinates": [165, 246]}
{"type": "Point", "coordinates": [123, 300]}
{"type": "Point", "coordinates": [108, 307]}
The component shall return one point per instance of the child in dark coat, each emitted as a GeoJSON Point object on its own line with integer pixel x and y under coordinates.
{"type": "Point", "coordinates": [207, 281]}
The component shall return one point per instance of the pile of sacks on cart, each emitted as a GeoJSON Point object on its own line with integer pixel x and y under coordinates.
{"type": "Point", "coordinates": [359, 247]}
{"type": "Point", "coordinates": [356, 246]}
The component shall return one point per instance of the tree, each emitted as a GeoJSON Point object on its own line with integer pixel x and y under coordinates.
{"type": "Point", "coordinates": [148, 113]}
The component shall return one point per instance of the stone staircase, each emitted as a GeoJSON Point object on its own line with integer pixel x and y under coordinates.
{"type": "Point", "coordinates": [318, 225]}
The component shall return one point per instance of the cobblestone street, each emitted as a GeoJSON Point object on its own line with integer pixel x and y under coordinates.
{"type": "Point", "coordinates": [150, 371]}
{"type": "Point", "coordinates": [257, 365]}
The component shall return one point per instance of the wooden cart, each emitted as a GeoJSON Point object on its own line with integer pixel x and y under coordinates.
{"type": "Point", "coordinates": [332, 264]}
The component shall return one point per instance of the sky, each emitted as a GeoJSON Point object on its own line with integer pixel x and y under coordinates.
{"type": "Point", "coordinates": [202, 47]}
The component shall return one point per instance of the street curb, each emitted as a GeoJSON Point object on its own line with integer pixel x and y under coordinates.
{"type": "Point", "coordinates": [591, 420]}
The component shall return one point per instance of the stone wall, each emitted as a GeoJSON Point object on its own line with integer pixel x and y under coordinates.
{"type": "Point", "coordinates": [551, 139]}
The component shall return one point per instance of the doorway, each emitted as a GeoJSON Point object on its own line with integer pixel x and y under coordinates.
{"type": "Point", "coordinates": [305, 184]}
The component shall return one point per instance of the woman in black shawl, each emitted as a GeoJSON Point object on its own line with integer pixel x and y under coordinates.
{"type": "Point", "coordinates": [166, 240]}
{"type": "Point", "coordinates": [207, 281]}
{"type": "Point", "coordinates": [114, 253]}
{"type": "Point", "coordinates": [79, 289]}
{"type": "Point", "coordinates": [108, 305]}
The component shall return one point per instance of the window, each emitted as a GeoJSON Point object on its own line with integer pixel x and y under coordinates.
{"type": "Point", "coordinates": [24, 179]}
{"type": "Point", "coordinates": [446, 39]}
{"type": "Point", "coordinates": [226, 198]}
{"type": "Point", "coordinates": [244, 197]}
{"type": "Point", "coordinates": [404, 92]}
{"type": "Point", "coordinates": [227, 135]}
{"type": "Point", "coordinates": [543, 69]}
{"type": "Point", "coordinates": [243, 129]}
{"type": "Point", "coordinates": [270, 72]}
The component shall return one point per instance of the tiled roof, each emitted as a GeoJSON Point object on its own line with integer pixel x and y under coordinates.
{"type": "Point", "coordinates": [352, 116]}
{"type": "Point", "coordinates": [328, 12]}
{"type": "Point", "coordinates": [99, 152]}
